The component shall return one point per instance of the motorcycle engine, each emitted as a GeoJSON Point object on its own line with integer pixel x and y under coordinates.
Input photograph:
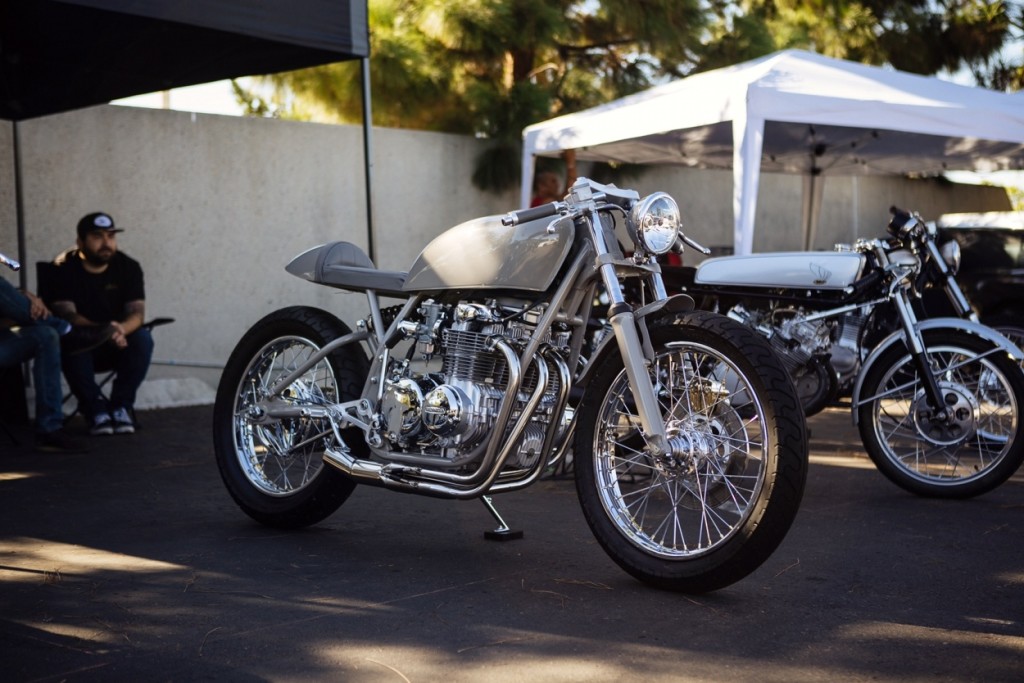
{"type": "Point", "coordinates": [450, 410]}
{"type": "Point", "coordinates": [846, 354]}
{"type": "Point", "coordinates": [795, 339]}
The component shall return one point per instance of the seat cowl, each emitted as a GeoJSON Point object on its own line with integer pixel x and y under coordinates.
{"type": "Point", "coordinates": [346, 266]}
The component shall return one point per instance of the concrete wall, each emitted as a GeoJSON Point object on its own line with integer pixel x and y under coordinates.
{"type": "Point", "coordinates": [215, 206]}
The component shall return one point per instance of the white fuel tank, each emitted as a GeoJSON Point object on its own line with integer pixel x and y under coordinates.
{"type": "Point", "coordinates": [791, 269]}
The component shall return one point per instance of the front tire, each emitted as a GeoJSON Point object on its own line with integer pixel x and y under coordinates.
{"type": "Point", "coordinates": [1009, 326]}
{"type": "Point", "coordinates": [719, 505]}
{"type": "Point", "coordinates": [274, 469]}
{"type": "Point", "coordinates": [973, 452]}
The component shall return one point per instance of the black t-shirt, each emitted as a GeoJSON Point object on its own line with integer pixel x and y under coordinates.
{"type": "Point", "coordinates": [100, 297]}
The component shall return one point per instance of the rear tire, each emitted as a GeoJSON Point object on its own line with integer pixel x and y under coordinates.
{"type": "Point", "coordinates": [274, 469]}
{"type": "Point", "coordinates": [817, 386]}
{"type": "Point", "coordinates": [717, 508]}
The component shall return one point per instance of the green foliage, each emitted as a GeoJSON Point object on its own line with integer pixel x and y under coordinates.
{"type": "Point", "coordinates": [491, 67]}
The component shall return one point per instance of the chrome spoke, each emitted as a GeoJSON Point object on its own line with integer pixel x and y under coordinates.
{"type": "Point", "coordinates": [687, 503]}
{"type": "Point", "coordinates": [284, 456]}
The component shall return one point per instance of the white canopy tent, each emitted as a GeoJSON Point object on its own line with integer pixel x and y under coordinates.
{"type": "Point", "coordinates": [796, 112]}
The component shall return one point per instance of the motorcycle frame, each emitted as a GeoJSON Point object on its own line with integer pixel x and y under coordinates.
{"type": "Point", "coordinates": [911, 332]}
{"type": "Point", "coordinates": [899, 284]}
{"type": "Point", "coordinates": [597, 261]}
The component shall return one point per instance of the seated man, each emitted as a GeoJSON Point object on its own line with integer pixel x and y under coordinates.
{"type": "Point", "coordinates": [28, 330]}
{"type": "Point", "coordinates": [95, 285]}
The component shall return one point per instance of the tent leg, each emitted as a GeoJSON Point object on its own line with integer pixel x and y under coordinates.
{"type": "Point", "coordinates": [814, 185]}
{"type": "Point", "coordinates": [19, 205]}
{"type": "Point", "coordinates": [368, 153]}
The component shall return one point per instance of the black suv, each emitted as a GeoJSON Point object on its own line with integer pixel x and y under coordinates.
{"type": "Point", "coordinates": [992, 263]}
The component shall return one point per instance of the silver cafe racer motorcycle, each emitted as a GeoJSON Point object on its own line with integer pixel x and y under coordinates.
{"type": "Point", "coordinates": [688, 442]}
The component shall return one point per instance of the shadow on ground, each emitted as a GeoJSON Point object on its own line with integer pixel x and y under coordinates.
{"type": "Point", "coordinates": [133, 563]}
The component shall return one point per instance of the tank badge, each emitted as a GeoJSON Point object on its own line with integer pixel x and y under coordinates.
{"type": "Point", "coordinates": [820, 273]}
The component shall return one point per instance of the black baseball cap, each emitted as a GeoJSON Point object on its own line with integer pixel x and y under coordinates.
{"type": "Point", "coordinates": [94, 222]}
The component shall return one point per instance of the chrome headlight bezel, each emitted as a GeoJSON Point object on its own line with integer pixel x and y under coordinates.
{"type": "Point", "coordinates": [655, 223]}
{"type": "Point", "coordinates": [952, 254]}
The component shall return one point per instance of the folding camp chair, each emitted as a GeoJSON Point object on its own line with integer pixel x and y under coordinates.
{"type": "Point", "coordinates": [45, 274]}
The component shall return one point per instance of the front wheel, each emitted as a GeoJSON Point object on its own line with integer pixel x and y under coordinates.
{"type": "Point", "coordinates": [1009, 326]}
{"type": "Point", "coordinates": [713, 509]}
{"type": "Point", "coordinates": [973, 445]}
{"type": "Point", "coordinates": [274, 468]}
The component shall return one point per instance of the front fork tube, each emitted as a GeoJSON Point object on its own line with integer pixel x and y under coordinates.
{"type": "Point", "coordinates": [952, 288]}
{"type": "Point", "coordinates": [915, 344]}
{"type": "Point", "coordinates": [623, 322]}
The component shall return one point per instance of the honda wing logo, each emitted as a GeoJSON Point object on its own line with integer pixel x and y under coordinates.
{"type": "Point", "coordinates": [820, 273]}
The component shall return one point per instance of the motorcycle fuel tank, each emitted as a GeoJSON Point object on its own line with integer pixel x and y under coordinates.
{"type": "Point", "coordinates": [790, 269]}
{"type": "Point", "coordinates": [484, 254]}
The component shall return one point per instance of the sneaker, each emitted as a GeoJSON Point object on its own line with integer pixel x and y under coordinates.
{"type": "Point", "coordinates": [83, 338]}
{"type": "Point", "coordinates": [123, 422]}
{"type": "Point", "coordinates": [58, 441]}
{"type": "Point", "coordinates": [101, 424]}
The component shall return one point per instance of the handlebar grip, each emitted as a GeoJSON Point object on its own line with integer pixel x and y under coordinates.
{"type": "Point", "coordinates": [866, 283]}
{"type": "Point", "coordinates": [536, 213]}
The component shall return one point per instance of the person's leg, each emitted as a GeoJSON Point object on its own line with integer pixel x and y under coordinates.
{"type": "Point", "coordinates": [132, 364]}
{"type": "Point", "coordinates": [46, 373]}
{"type": "Point", "coordinates": [80, 372]}
{"type": "Point", "coordinates": [14, 349]}
{"type": "Point", "coordinates": [42, 344]}
{"type": "Point", "coordinates": [13, 304]}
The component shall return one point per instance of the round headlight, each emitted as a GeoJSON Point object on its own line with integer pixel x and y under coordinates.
{"type": "Point", "coordinates": [654, 223]}
{"type": "Point", "coordinates": [951, 255]}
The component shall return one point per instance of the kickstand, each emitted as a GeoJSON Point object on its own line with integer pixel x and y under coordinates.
{"type": "Point", "coordinates": [503, 532]}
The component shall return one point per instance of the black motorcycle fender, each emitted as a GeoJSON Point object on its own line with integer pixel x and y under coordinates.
{"type": "Point", "coordinates": [652, 312]}
{"type": "Point", "coordinates": [968, 326]}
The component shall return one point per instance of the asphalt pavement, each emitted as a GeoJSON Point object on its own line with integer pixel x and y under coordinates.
{"type": "Point", "coordinates": [132, 563]}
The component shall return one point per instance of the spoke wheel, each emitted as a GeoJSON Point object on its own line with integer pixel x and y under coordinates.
{"type": "Point", "coordinates": [716, 505]}
{"type": "Point", "coordinates": [1010, 327]}
{"type": "Point", "coordinates": [281, 457]}
{"type": "Point", "coordinates": [968, 448]}
{"type": "Point", "coordinates": [817, 385]}
{"type": "Point", "coordinates": [273, 467]}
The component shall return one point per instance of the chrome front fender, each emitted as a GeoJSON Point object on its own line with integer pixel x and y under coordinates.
{"type": "Point", "coordinates": [968, 326]}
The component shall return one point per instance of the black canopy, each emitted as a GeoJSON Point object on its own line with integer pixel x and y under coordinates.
{"type": "Point", "coordinates": [57, 55]}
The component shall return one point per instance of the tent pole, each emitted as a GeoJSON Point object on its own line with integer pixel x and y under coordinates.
{"type": "Point", "coordinates": [814, 185]}
{"type": "Point", "coordinates": [368, 153]}
{"type": "Point", "coordinates": [19, 205]}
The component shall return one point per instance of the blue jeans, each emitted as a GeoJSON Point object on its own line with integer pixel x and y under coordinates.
{"type": "Point", "coordinates": [15, 306]}
{"type": "Point", "coordinates": [131, 364]}
{"type": "Point", "coordinates": [43, 344]}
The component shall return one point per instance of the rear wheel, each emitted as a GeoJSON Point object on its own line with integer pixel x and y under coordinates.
{"type": "Point", "coordinates": [716, 507]}
{"type": "Point", "coordinates": [274, 468]}
{"type": "Point", "coordinates": [817, 385]}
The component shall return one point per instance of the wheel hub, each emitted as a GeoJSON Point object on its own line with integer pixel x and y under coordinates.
{"type": "Point", "coordinates": [691, 449]}
{"type": "Point", "coordinates": [959, 423]}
